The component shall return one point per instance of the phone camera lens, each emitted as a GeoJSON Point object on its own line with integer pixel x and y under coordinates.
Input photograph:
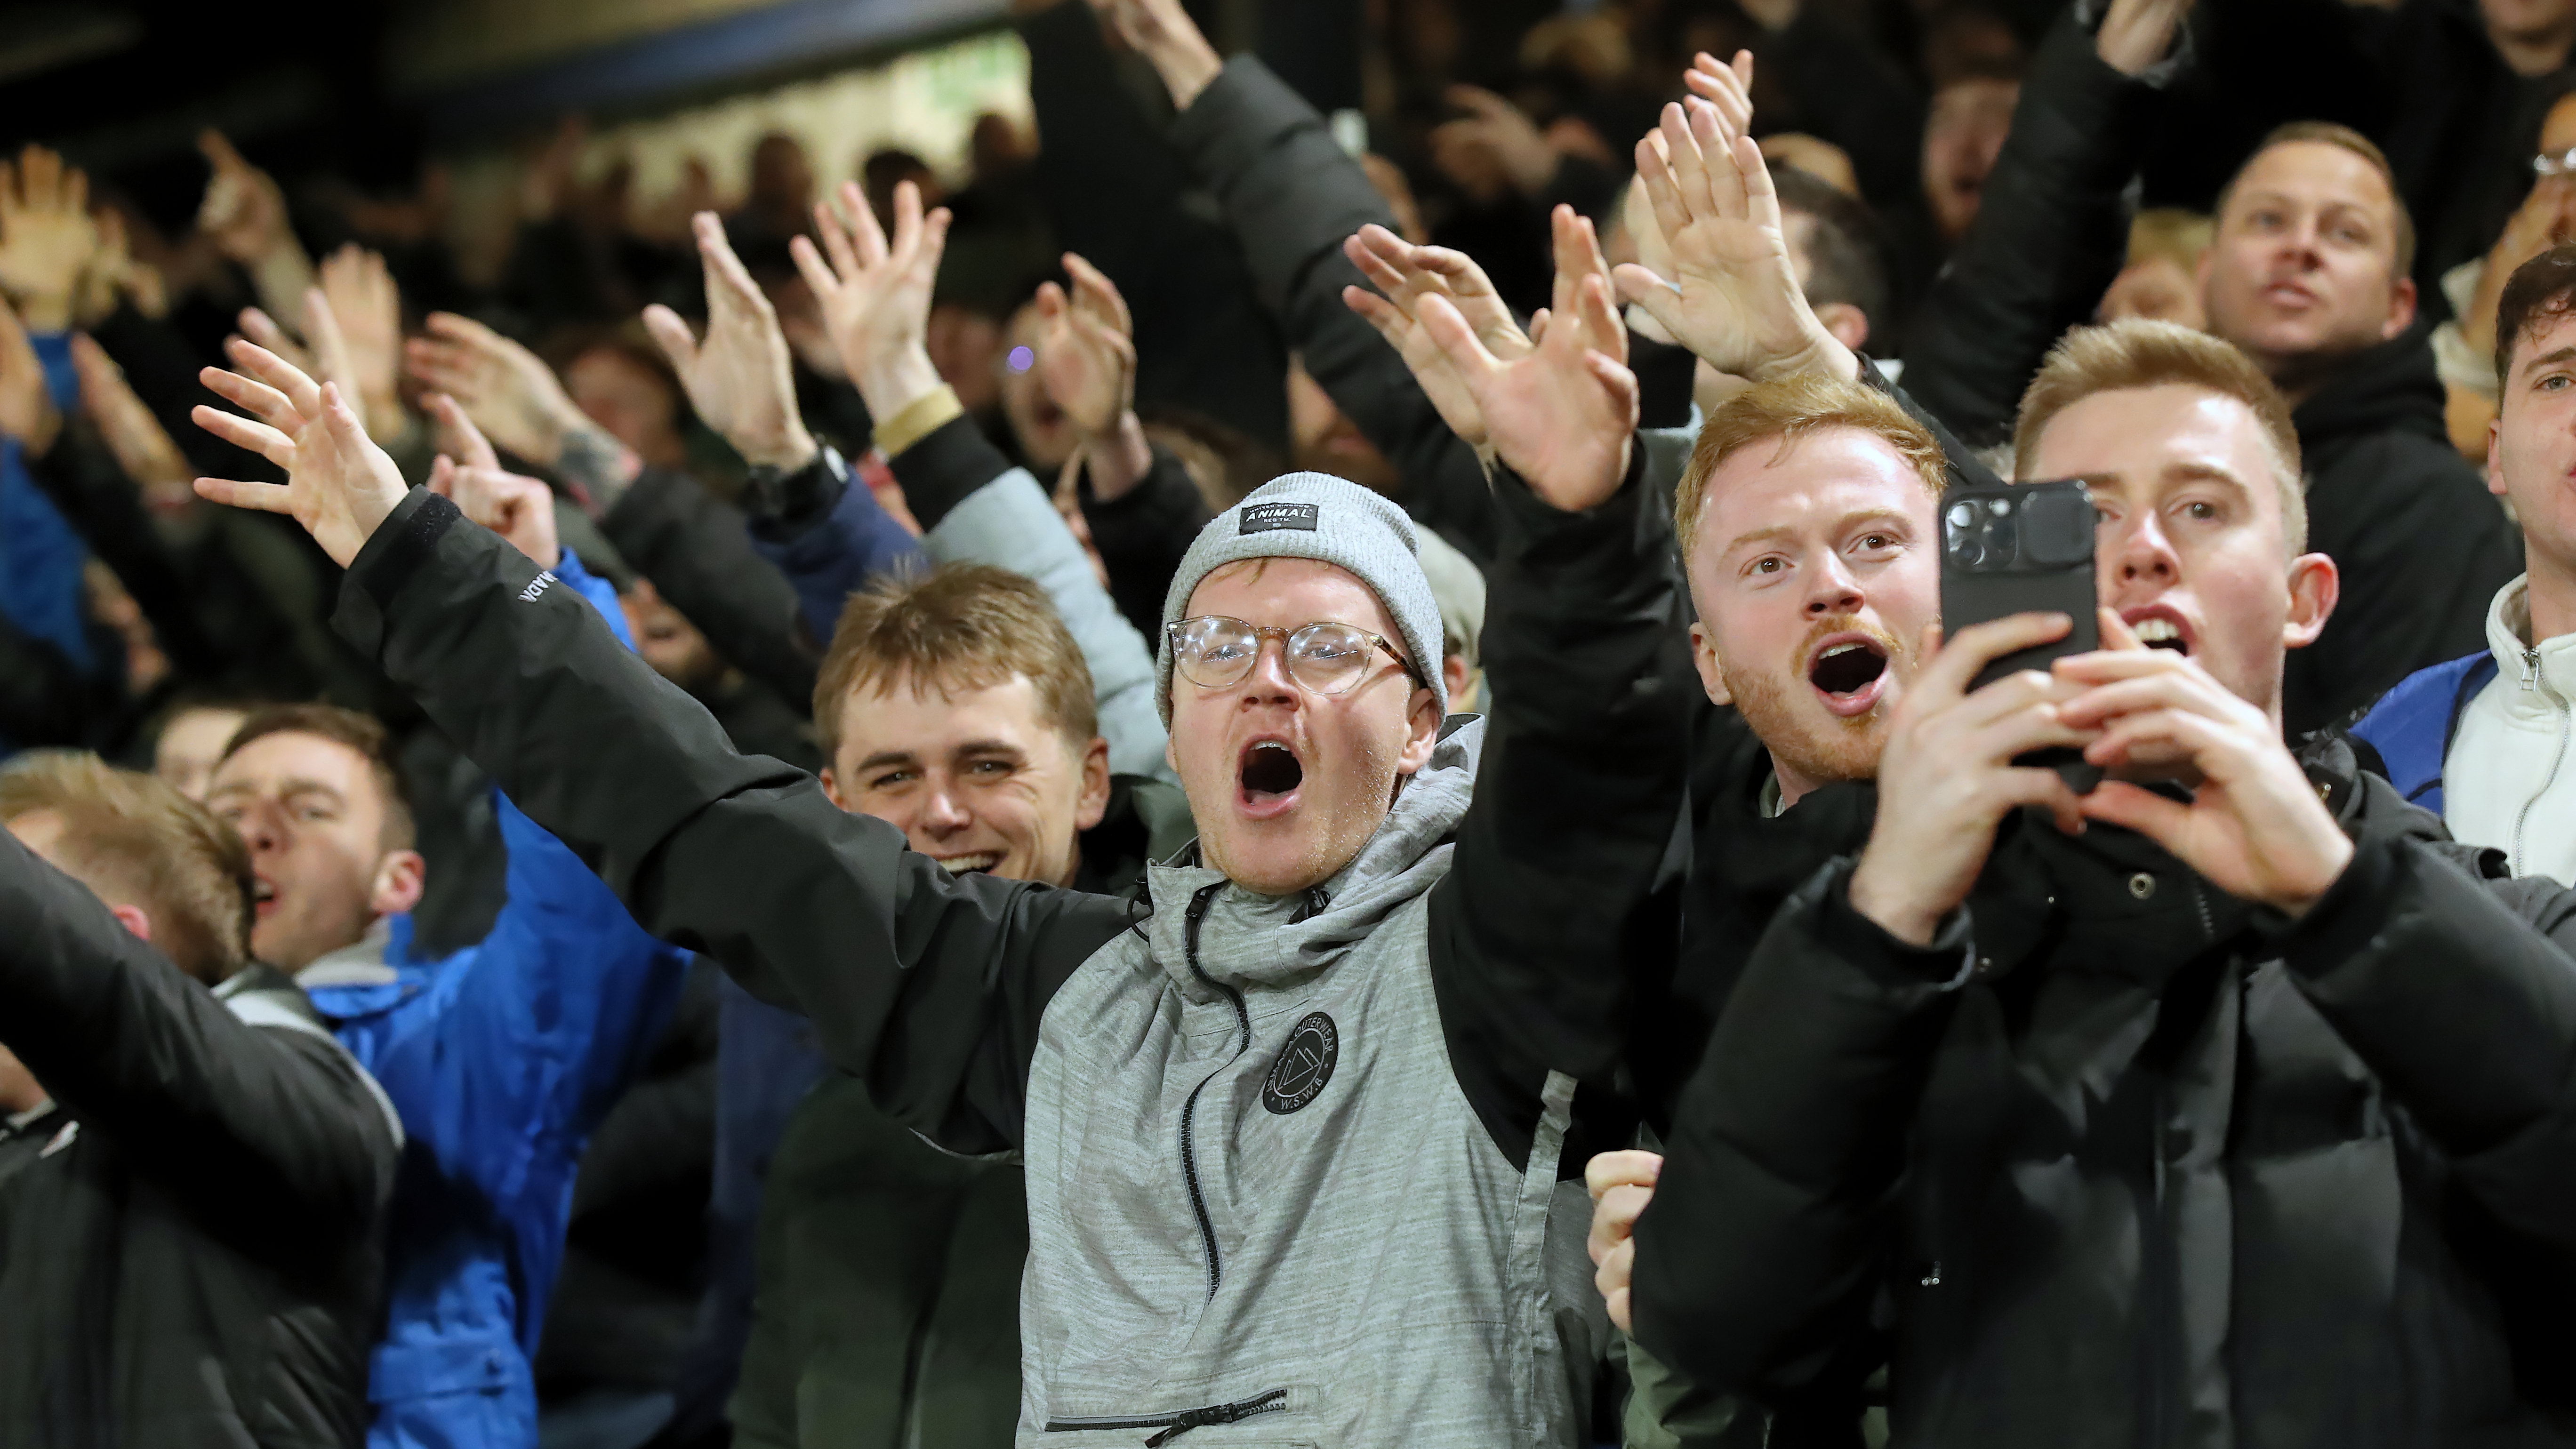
{"type": "Point", "coordinates": [1963, 515]}
{"type": "Point", "coordinates": [2001, 538]}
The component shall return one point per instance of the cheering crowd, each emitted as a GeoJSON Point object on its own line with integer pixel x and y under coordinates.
{"type": "Point", "coordinates": [1222, 784]}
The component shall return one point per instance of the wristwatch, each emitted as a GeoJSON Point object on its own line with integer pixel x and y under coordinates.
{"type": "Point", "coordinates": [791, 498]}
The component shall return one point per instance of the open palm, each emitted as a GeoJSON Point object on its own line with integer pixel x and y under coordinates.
{"type": "Point", "coordinates": [339, 485]}
{"type": "Point", "coordinates": [739, 376]}
{"type": "Point", "coordinates": [875, 293]}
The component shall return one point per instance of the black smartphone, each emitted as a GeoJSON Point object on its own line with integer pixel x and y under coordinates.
{"type": "Point", "coordinates": [2023, 548]}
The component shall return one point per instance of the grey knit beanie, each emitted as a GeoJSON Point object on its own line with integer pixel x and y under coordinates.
{"type": "Point", "coordinates": [1317, 516]}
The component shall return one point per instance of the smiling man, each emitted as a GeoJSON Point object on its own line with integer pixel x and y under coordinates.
{"type": "Point", "coordinates": [2030, 1113]}
{"type": "Point", "coordinates": [1298, 1117]}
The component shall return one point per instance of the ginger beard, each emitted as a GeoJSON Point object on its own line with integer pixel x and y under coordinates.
{"type": "Point", "coordinates": [1819, 743]}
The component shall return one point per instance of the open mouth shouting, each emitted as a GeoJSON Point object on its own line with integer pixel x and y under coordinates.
{"type": "Point", "coordinates": [1267, 778]}
{"type": "Point", "coordinates": [1849, 673]}
{"type": "Point", "coordinates": [263, 896]}
{"type": "Point", "coordinates": [2159, 626]}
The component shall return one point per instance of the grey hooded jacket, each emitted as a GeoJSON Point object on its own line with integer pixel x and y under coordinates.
{"type": "Point", "coordinates": [1294, 1166]}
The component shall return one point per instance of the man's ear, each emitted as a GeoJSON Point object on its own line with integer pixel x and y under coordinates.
{"type": "Point", "coordinates": [133, 918]}
{"type": "Point", "coordinates": [2401, 308]}
{"type": "Point", "coordinates": [1711, 677]}
{"type": "Point", "coordinates": [1093, 804]}
{"type": "Point", "coordinates": [2495, 452]}
{"type": "Point", "coordinates": [1424, 721]}
{"type": "Point", "coordinates": [400, 878]}
{"type": "Point", "coordinates": [832, 789]}
{"type": "Point", "coordinates": [1460, 680]}
{"type": "Point", "coordinates": [2314, 586]}
{"type": "Point", "coordinates": [1848, 324]}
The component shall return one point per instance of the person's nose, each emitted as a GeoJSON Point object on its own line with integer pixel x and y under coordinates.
{"type": "Point", "coordinates": [262, 827]}
{"type": "Point", "coordinates": [1831, 589]}
{"type": "Point", "coordinates": [2140, 556]}
{"type": "Point", "coordinates": [943, 813]}
{"type": "Point", "coordinates": [1270, 682]}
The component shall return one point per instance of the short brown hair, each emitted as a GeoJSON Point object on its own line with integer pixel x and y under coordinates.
{"type": "Point", "coordinates": [2327, 133]}
{"type": "Point", "coordinates": [136, 841]}
{"type": "Point", "coordinates": [958, 626]}
{"type": "Point", "coordinates": [2136, 353]}
{"type": "Point", "coordinates": [2539, 291]}
{"type": "Point", "coordinates": [1789, 409]}
{"type": "Point", "coordinates": [360, 732]}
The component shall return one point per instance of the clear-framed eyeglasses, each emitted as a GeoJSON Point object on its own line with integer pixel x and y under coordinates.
{"type": "Point", "coordinates": [1215, 652]}
{"type": "Point", "coordinates": [2558, 164]}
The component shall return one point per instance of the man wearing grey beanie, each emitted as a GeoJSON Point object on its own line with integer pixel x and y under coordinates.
{"type": "Point", "coordinates": [1299, 1118]}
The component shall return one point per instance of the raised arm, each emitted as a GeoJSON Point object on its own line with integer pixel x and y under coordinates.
{"type": "Point", "coordinates": [929, 986]}
{"type": "Point", "coordinates": [284, 1119]}
{"type": "Point", "coordinates": [2053, 229]}
{"type": "Point", "coordinates": [1550, 904]}
{"type": "Point", "coordinates": [972, 503]}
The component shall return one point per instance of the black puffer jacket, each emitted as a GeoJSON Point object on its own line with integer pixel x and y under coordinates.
{"type": "Point", "coordinates": [2124, 1161]}
{"type": "Point", "coordinates": [191, 1247]}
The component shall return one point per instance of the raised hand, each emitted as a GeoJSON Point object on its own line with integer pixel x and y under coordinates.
{"type": "Point", "coordinates": [875, 295]}
{"type": "Point", "coordinates": [363, 300]}
{"type": "Point", "coordinates": [1406, 273]}
{"type": "Point", "coordinates": [244, 212]}
{"type": "Point", "coordinates": [1087, 364]}
{"type": "Point", "coordinates": [1947, 777]}
{"type": "Point", "coordinates": [332, 361]}
{"type": "Point", "coordinates": [1500, 130]}
{"type": "Point", "coordinates": [1734, 297]}
{"type": "Point", "coordinates": [46, 236]}
{"type": "Point", "coordinates": [143, 450]}
{"type": "Point", "coordinates": [739, 377]}
{"type": "Point", "coordinates": [2255, 827]}
{"type": "Point", "coordinates": [519, 508]}
{"type": "Point", "coordinates": [1564, 415]}
{"type": "Point", "coordinates": [2135, 34]}
{"type": "Point", "coordinates": [339, 485]}
{"type": "Point", "coordinates": [509, 391]}
{"type": "Point", "coordinates": [1163, 33]}
{"type": "Point", "coordinates": [1621, 1184]}
{"type": "Point", "coordinates": [27, 410]}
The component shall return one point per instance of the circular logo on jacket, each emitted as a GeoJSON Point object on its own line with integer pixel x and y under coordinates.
{"type": "Point", "coordinates": [1305, 1064]}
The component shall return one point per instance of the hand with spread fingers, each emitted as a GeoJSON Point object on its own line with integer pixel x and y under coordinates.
{"type": "Point", "coordinates": [2255, 827]}
{"type": "Point", "coordinates": [244, 213]}
{"type": "Point", "coordinates": [1163, 33]}
{"type": "Point", "coordinates": [143, 449]}
{"type": "Point", "coordinates": [519, 508]}
{"type": "Point", "coordinates": [367, 307]}
{"type": "Point", "coordinates": [1407, 273]}
{"type": "Point", "coordinates": [27, 411]}
{"type": "Point", "coordinates": [1564, 415]}
{"type": "Point", "coordinates": [339, 485]}
{"type": "Point", "coordinates": [739, 377]}
{"type": "Point", "coordinates": [47, 239]}
{"type": "Point", "coordinates": [1621, 1184]}
{"type": "Point", "coordinates": [875, 294]}
{"type": "Point", "coordinates": [1734, 297]}
{"type": "Point", "coordinates": [1500, 130]}
{"type": "Point", "coordinates": [1947, 777]}
{"type": "Point", "coordinates": [1087, 364]}
{"type": "Point", "coordinates": [509, 391]}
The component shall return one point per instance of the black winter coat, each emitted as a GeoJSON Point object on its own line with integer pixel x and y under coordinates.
{"type": "Point", "coordinates": [2119, 1160]}
{"type": "Point", "coordinates": [191, 1240]}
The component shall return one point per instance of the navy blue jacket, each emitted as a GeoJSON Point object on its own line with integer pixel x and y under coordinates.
{"type": "Point", "coordinates": [501, 1059]}
{"type": "Point", "coordinates": [2413, 724]}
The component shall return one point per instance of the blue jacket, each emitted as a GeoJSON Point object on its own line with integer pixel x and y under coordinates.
{"type": "Point", "coordinates": [501, 1059]}
{"type": "Point", "coordinates": [2413, 724]}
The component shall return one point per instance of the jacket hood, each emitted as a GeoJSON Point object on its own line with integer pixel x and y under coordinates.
{"type": "Point", "coordinates": [1276, 941]}
{"type": "Point", "coordinates": [2388, 388]}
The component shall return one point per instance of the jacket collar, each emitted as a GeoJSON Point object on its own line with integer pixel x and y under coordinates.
{"type": "Point", "coordinates": [2509, 639]}
{"type": "Point", "coordinates": [1248, 939]}
{"type": "Point", "coordinates": [361, 963]}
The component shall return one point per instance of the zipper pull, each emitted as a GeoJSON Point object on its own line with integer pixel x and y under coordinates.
{"type": "Point", "coordinates": [2531, 671]}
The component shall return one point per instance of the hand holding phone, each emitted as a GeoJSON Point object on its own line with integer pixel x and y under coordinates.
{"type": "Point", "coordinates": [2023, 548]}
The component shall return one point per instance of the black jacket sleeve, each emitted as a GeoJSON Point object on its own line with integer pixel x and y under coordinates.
{"type": "Point", "coordinates": [1554, 900]}
{"type": "Point", "coordinates": [192, 1093]}
{"type": "Point", "coordinates": [691, 544]}
{"type": "Point", "coordinates": [1293, 197]}
{"type": "Point", "coordinates": [2461, 995]}
{"type": "Point", "coordinates": [927, 986]}
{"type": "Point", "coordinates": [2051, 233]}
{"type": "Point", "coordinates": [1757, 1258]}
{"type": "Point", "coordinates": [1142, 534]}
